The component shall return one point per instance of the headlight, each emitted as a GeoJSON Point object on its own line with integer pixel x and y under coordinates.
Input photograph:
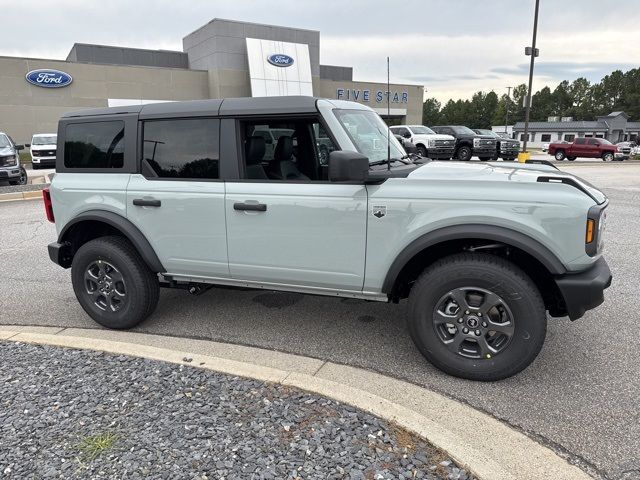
{"type": "Point", "coordinates": [476, 142]}
{"type": "Point", "coordinates": [432, 143]}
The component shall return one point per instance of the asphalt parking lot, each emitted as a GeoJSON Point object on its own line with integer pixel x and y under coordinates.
{"type": "Point", "coordinates": [580, 397]}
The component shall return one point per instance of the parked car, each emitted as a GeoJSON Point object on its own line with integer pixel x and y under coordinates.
{"type": "Point", "coordinates": [586, 148]}
{"type": "Point", "coordinates": [43, 150]}
{"type": "Point", "coordinates": [506, 148]}
{"type": "Point", "coordinates": [456, 239]}
{"type": "Point", "coordinates": [627, 148]}
{"type": "Point", "coordinates": [428, 143]}
{"type": "Point", "coordinates": [10, 168]}
{"type": "Point", "coordinates": [468, 142]}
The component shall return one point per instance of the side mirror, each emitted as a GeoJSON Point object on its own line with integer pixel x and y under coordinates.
{"type": "Point", "coordinates": [346, 166]}
{"type": "Point", "coordinates": [406, 135]}
{"type": "Point", "coordinates": [27, 145]}
{"type": "Point", "coordinates": [19, 147]}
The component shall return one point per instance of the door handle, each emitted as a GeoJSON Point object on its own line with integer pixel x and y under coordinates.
{"type": "Point", "coordinates": [146, 202]}
{"type": "Point", "coordinates": [252, 207]}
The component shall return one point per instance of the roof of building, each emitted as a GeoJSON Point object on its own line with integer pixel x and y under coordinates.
{"type": "Point", "coordinates": [111, 55]}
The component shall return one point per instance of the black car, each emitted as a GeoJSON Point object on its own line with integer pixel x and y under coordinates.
{"type": "Point", "coordinates": [468, 142]}
{"type": "Point", "coordinates": [506, 148]}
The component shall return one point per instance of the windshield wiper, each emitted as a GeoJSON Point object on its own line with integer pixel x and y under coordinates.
{"type": "Point", "coordinates": [402, 159]}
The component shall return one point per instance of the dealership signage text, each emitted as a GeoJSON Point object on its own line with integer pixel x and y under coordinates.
{"type": "Point", "coordinates": [367, 95]}
{"type": "Point", "coordinates": [48, 78]}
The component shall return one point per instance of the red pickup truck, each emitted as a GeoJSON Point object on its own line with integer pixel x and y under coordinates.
{"type": "Point", "coordinates": [586, 147]}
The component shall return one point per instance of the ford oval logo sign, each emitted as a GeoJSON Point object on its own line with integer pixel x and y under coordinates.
{"type": "Point", "coordinates": [280, 60]}
{"type": "Point", "coordinates": [49, 78]}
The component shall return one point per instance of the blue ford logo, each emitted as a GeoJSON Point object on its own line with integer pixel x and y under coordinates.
{"type": "Point", "coordinates": [280, 60]}
{"type": "Point", "coordinates": [49, 78]}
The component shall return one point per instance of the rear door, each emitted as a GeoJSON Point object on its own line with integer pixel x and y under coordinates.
{"type": "Point", "coordinates": [177, 200]}
{"type": "Point", "coordinates": [579, 148]}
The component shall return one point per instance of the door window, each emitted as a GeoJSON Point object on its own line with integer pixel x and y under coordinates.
{"type": "Point", "coordinates": [185, 149]}
{"type": "Point", "coordinates": [299, 150]}
{"type": "Point", "coordinates": [593, 141]}
{"type": "Point", "coordinates": [580, 141]}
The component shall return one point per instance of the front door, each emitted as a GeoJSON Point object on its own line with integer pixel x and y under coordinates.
{"type": "Point", "coordinates": [286, 224]}
{"type": "Point", "coordinates": [178, 200]}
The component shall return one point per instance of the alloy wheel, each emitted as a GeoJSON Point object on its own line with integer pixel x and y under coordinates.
{"type": "Point", "coordinates": [473, 322]}
{"type": "Point", "coordinates": [105, 285]}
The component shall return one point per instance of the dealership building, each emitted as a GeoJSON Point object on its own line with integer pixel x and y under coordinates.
{"type": "Point", "coordinates": [614, 127]}
{"type": "Point", "coordinates": [221, 59]}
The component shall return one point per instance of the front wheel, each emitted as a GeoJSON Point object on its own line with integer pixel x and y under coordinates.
{"type": "Point", "coordinates": [113, 284]}
{"type": "Point", "coordinates": [560, 155]}
{"type": "Point", "coordinates": [464, 154]}
{"type": "Point", "coordinates": [422, 151]}
{"type": "Point", "coordinates": [23, 179]}
{"type": "Point", "coordinates": [477, 316]}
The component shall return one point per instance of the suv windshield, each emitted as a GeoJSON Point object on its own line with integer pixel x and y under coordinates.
{"type": "Point", "coordinates": [421, 130]}
{"type": "Point", "coordinates": [44, 140]}
{"type": "Point", "coordinates": [369, 134]}
{"type": "Point", "coordinates": [4, 141]}
{"type": "Point", "coordinates": [463, 130]}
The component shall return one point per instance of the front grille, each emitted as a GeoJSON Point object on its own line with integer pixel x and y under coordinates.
{"type": "Point", "coordinates": [43, 153]}
{"type": "Point", "coordinates": [444, 143]}
{"type": "Point", "coordinates": [487, 143]}
{"type": "Point", "coordinates": [626, 150]}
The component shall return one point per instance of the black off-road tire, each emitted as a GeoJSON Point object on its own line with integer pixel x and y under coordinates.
{"type": "Point", "coordinates": [464, 153]}
{"type": "Point", "coordinates": [422, 151]}
{"type": "Point", "coordinates": [140, 284]}
{"type": "Point", "coordinates": [492, 274]}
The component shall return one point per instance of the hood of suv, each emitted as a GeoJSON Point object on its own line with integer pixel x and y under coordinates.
{"type": "Point", "coordinates": [5, 151]}
{"type": "Point", "coordinates": [499, 172]}
{"type": "Point", "coordinates": [49, 146]}
{"type": "Point", "coordinates": [436, 136]}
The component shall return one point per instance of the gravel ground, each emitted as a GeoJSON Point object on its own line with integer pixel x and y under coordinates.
{"type": "Point", "coordinates": [6, 188]}
{"type": "Point", "coordinates": [75, 414]}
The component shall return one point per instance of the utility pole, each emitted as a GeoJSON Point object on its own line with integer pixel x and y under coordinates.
{"type": "Point", "coordinates": [533, 51]}
{"type": "Point", "coordinates": [506, 115]}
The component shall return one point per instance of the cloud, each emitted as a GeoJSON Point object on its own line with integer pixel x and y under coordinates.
{"type": "Point", "coordinates": [453, 48]}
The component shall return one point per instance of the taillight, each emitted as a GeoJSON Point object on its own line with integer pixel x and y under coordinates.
{"type": "Point", "coordinates": [48, 207]}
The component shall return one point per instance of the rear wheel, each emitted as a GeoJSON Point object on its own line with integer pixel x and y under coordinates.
{"type": "Point", "coordinates": [113, 284]}
{"type": "Point", "coordinates": [464, 153]}
{"type": "Point", "coordinates": [477, 316]}
{"type": "Point", "coordinates": [608, 157]}
{"type": "Point", "coordinates": [571, 159]}
{"type": "Point", "coordinates": [560, 155]}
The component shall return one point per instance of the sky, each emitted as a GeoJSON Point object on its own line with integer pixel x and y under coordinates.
{"type": "Point", "coordinates": [452, 47]}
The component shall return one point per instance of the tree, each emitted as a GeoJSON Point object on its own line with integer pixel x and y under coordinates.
{"type": "Point", "coordinates": [431, 112]}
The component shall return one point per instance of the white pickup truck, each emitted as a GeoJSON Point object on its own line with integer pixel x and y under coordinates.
{"type": "Point", "coordinates": [428, 143]}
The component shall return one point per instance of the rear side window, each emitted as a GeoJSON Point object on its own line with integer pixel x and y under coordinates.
{"type": "Point", "coordinates": [94, 145]}
{"type": "Point", "coordinates": [182, 149]}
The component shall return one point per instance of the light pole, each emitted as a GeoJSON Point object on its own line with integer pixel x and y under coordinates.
{"type": "Point", "coordinates": [533, 51]}
{"type": "Point", "coordinates": [506, 115]}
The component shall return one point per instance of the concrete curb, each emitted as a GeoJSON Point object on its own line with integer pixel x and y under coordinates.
{"type": "Point", "coordinates": [485, 446]}
{"type": "Point", "coordinates": [16, 196]}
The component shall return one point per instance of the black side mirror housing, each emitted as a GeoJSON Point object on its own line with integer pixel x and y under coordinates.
{"type": "Point", "coordinates": [19, 147]}
{"type": "Point", "coordinates": [346, 166]}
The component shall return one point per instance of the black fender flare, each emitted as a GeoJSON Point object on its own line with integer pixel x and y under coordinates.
{"type": "Point", "coordinates": [492, 233]}
{"type": "Point", "coordinates": [128, 229]}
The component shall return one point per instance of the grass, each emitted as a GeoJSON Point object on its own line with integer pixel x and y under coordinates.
{"type": "Point", "coordinates": [91, 447]}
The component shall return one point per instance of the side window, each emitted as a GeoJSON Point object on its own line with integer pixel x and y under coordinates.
{"type": "Point", "coordinates": [299, 150]}
{"type": "Point", "coordinates": [94, 145]}
{"type": "Point", "coordinates": [404, 132]}
{"type": "Point", "coordinates": [181, 148]}
{"type": "Point", "coordinates": [580, 141]}
{"type": "Point", "coordinates": [593, 141]}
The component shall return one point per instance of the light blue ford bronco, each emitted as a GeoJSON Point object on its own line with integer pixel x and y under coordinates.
{"type": "Point", "coordinates": [187, 195]}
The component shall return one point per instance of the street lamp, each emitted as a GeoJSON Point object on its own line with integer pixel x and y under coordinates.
{"type": "Point", "coordinates": [533, 52]}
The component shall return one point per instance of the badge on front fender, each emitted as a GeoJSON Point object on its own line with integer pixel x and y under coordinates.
{"type": "Point", "coordinates": [379, 211]}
